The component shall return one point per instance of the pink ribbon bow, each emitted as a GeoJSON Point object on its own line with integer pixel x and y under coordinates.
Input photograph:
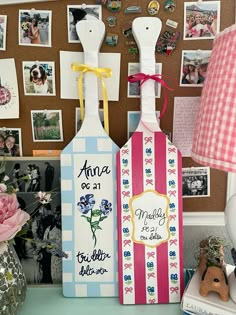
{"type": "Point", "coordinates": [142, 77]}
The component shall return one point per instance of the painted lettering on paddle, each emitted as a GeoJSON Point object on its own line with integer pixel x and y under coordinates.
{"type": "Point", "coordinates": [150, 218]}
{"type": "Point", "coordinates": [89, 172]}
{"type": "Point", "coordinates": [86, 260]}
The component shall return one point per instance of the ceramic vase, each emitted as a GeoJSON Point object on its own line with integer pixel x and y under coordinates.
{"type": "Point", "coordinates": [12, 280]}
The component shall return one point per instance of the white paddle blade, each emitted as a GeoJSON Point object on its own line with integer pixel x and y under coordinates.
{"type": "Point", "coordinates": [91, 34]}
{"type": "Point", "coordinates": [146, 31]}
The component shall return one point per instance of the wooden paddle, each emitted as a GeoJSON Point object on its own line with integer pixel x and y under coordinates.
{"type": "Point", "coordinates": [88, 176]}
{"type": "Point", "coordinates": [149, 189]}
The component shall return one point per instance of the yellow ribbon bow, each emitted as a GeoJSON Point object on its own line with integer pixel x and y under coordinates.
{"type": "Point", "coordinates": [101, 73]}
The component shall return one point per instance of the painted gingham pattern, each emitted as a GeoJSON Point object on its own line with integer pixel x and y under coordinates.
{"type": "Point", "coordinates": [214, 142]}
{"type": "Point", "coordinates": [71, 287]}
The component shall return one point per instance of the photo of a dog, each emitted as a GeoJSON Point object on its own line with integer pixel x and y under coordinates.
{"type": "Point", "coordinates": [39, 78]}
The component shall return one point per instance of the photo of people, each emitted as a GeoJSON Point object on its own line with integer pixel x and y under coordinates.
{"type": "Point", "coordinates": [37, 181]}
{"type": "Point", "coordinates": [10, 142]}
{"type": "Point", "coordinates": [3, 29]}
{"type": "Point", "coordinates": [47, 125]}
{"type": "Point", "coordinates": [201, 19]}
{"type": "Point", "coordinates": [194, 67]}
{"type": "Point", "coordinates": [76, 13]}
{"type": "Point", "coordinates": [133, 87]}
{"type": "Point", "coordinates": [39, 78]}
{"type": "Point", "coordinates": [196, 182]}
{"type": "Point", "coordinates": [35, 28]}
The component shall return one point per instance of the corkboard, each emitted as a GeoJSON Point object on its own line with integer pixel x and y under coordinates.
{"type": "Point", "coordinates": [117, 110]}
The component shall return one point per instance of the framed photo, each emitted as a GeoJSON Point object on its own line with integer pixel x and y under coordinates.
{"type": "Point", "coordinates": [133, 88]}
{"type": "Point", "coordinates": [47, 125]}
{"type": "Point", "coordinates": [201, 19]}
{"type": "Point", "coordinates": [39, 248]}
{"type": "Point", "coordinates": [76, 13]}
{"type": "Point", "coordinates": [3, 31]}
{"type": "Point", "coordinates": [133, 121]}
{"type": "Point", "coordinates": [10, 142]}
{"type": "Point", "coordinates": [35, 28]}
{"type": "Point", "coordinates": [193, 67]}
{"type": "Point", "coordinates": [78, 120]}
{"type": "Point", "coordinates": [39, 78]}
{"type": "Point", "coordinates": [196, 182]}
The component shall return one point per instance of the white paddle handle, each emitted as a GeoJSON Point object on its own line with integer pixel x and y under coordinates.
{"type": "Point", "coordinates": [91, 34]}
{"type": "Point", "coordinates": [146, 31]}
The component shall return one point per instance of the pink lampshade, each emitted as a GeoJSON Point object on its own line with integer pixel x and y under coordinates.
{"type": "Point", "coordinates": [214, 141]}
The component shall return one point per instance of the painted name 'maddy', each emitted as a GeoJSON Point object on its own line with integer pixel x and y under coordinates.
{"type": "Point", "coordinates": [89, 171]}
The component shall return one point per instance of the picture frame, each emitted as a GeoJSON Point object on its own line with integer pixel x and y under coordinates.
{"type": "Point", "coordinates": [39, 78]}
{"type": "Point", "coordinates": [34, 28]}
{"type": "Point", "coordinates": [194, 67]}
{"type": "Point", "coordinates": [47, 125]}
{"type": "Point", "coordinates": [133, 87]}
{"type": "Point", "coordinates": [39, 246]}
{"type": "Point", "coordinates": [196, 182]}
{"type": "Point", "coordinates": [3, 31]}
{"type": "Point", "coordinates": [76, 13]}
{"type": "Point", "coordinates": [201, 20]}
{"type": "Point", "coordinates": [10, 142]}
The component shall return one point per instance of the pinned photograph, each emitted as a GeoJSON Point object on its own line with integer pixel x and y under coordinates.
{"type": "Point", "coordinates": [3, 30]}
{"type": "Point", "coordinates": [10, 142]}
{"type": "Point", "coordinates": [78, 120]}
{"type": "Point", "coordinates": [76, 13]}
{"type": "Point", "coordinates": [39, 78]}
{"type": "Point", "coordinates": [35, 28]}
{"type": "Point", "coordinates": [201, 19]}
{"type": "Point", "coordinates": [37, 185]}
{"type": "Point", "coordinates": [47, 125]}
{"type": "Point", "coordinates": [194, 67]}
{"type": "Point", "coordinates": [134, 87]}
{"type": "Point", "coordinates": [196, 182]}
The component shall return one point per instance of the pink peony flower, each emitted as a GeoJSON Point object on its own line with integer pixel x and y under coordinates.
{"type": "Point", "coordinates": [11, 217]}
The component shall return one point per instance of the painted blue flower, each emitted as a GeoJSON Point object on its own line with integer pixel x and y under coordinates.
{"type": "Point", "coordinates": [86, 203]}
{"type": "Point", "coordinates": [105, 207]}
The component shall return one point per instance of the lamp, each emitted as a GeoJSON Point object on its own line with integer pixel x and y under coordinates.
{"type": "Point", "coordinates": [214, 140]}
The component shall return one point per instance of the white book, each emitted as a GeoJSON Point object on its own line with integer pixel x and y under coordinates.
{"type": "Point", "coordinates": [193, 303]}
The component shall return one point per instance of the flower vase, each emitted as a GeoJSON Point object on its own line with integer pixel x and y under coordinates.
{"type": "Point", "coordinates": [12, 280]}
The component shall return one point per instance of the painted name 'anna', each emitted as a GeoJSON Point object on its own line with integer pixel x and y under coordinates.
{"type": "Point", "coordinates": [89, 171]}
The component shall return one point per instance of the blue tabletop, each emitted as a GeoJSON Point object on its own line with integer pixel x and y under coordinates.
{"type": "Point", "coordinates": [49, 300]}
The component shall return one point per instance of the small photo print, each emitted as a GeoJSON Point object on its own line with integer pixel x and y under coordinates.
{"type": "Point", "coordinates": [194, 65]}
{"type": "Point", "coordinates": [39, 78]}
{"type": "Point", "coordinates": [10, 142]}
{"type": "Point", "coordinates": [47, 125]}
{"type": "Point", "coordinates": [78, 120]}
{"type": "Point", "coordinates": [201, 19]}
{"type": "Point", "coordinates": [35, 28]}
{"type": "Point", "coordinates": [76, 13]}
{"type": "Point", "coordinates": [3, 31]}
{"type": "Point", "coordinates": [196, 182]}
{"type": "Point", "coordinates": [133, 121]}
{"type": "Point", "coordinates": [39, 246]}
{"type": "Point", "coordinates": [133, 87]}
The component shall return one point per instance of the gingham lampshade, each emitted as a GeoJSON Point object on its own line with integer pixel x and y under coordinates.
{"type": "Point", "coordinates": [214, 140]}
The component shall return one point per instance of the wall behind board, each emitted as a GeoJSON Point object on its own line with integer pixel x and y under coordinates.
{"type": "Point", "coordinates": [171, 66]}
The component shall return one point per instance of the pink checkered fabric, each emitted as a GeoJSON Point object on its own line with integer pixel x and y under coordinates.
{"type": "Point", "coordinates": [214, 141]}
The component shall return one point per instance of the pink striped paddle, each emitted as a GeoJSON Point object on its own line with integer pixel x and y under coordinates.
{"type": "Point", "coordinates": [149, 189]}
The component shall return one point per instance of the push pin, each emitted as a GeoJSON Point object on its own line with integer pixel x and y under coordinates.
{"type": "Point", "coordinates": [114, 5]}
